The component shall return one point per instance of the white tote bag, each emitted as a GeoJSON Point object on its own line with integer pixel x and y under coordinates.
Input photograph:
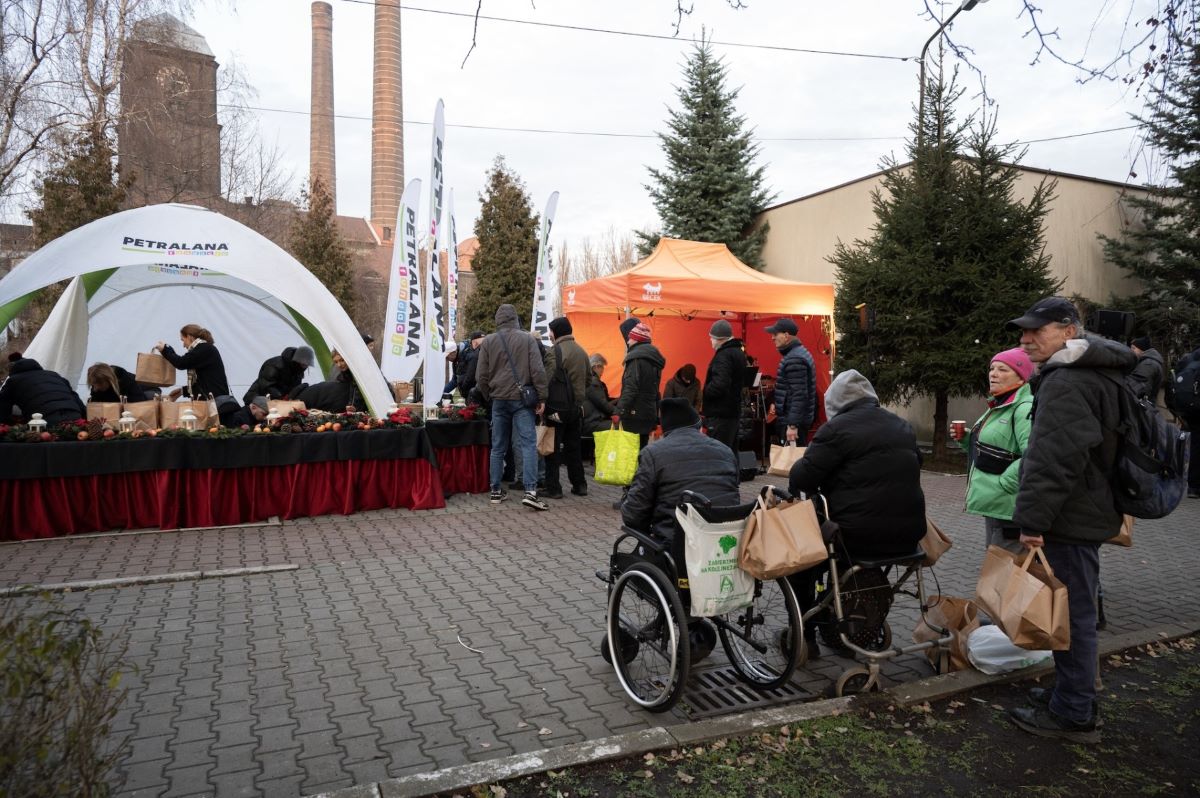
{"type": "Point", "coordinates": [711, 551]}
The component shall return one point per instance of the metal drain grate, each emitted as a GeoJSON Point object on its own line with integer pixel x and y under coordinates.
{"type": "Point", "coordinates": [717, 690]}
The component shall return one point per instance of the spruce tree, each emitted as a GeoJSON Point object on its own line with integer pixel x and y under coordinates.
{"type": "Point", "coordinates": [952, 258]}
{"type": "Point", "coordinates": [710, 189]}
{"type": "Point", "coordinates": [316, 243]}
{"type": "Point", "coordinates": [1163, 252]}
{"type": "Point", "coordinates": [505, 265]}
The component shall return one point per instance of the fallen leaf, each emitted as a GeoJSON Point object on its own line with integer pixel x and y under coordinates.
{"type": "Point", "coordinates": [785, 731]}
{"type": "Point", "coordinates": [542, 732]}
{"type": "Point", "coordinates": [649, 774]}
{"type": "Point", "coordinates": [498, 791]}
{"type": "Point", "coordinates": [649, 757]}
{"type": "Point", "coordinates": [685, 778]}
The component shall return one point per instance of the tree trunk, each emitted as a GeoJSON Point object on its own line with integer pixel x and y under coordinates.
{"type": "Point", "coordinates": [940, 425]}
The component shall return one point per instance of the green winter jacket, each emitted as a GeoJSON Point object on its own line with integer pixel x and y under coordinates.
{"type": "Point", "coordinates": [1005, 426]}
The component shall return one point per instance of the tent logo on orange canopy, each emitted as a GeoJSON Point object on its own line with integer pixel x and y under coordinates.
{"type": "Point", "coordinates": [652, 292]}
{"type": "Point", "coordinates": [571, 297]}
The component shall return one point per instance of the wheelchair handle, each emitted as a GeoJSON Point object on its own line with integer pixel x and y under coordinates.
{"type": "Point", "coordinates": [780, 493]}
{"type": "Point", "coordinates": [648, 541]}
{"type": "Point", "coordinates": [691, 497]}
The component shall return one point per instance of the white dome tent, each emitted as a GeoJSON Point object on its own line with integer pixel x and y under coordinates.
{"type": "Point", "coordinates": [148, 271]}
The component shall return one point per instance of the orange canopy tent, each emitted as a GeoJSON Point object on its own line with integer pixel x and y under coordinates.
{"type": "Point", "coordinates": [679, 290]}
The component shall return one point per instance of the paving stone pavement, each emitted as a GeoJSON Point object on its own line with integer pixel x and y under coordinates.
{"type": "Point", "coordinates": [411, 641]}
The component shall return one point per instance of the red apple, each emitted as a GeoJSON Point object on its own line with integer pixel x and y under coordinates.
{"type": "Point", "coordinates": [337, 426]}
{"type": "Point", "coordinates": [109, 433]}
{"type": "Point", "coordinates": [83, 436]}
{"type": "Point", "coordinates": [46, 436]}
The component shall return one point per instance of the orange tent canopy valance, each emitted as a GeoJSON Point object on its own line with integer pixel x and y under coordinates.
{"type": "Point", "coordinates": [697, 278]}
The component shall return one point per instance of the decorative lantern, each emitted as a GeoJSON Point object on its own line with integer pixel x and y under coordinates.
{"type": "Point", "coordinates": [189, 420]}
{"type": "Point", "coordinates": [37, 423]}
{"type": "Point", "coordinates": [272, 417]}
{"type": "Point", "coordinates": [125, 422]}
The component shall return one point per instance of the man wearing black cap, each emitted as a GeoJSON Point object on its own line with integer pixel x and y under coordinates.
{"type": "Point", "coordinates": [566, 406]}
{"type": "Point", "coordinates": [1064, 501]}
{"type": "Point", "coordinates": [723, 385]}
{"type": "Point", "coordinates": [683, 459]}
{"type": "Point", "coordinates": [281, 376]}
{"type": "Point", "coordinates": [1147, 376]}
{"type": "Point", "coordinates": [795, 384]}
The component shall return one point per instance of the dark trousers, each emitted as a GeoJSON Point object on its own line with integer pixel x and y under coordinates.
{"type": "Point", "coordinates": [1193, 423]}
{"type": "Point", "coordinates": [724, 430]}
{"type": "Point", "coordinates": [567, 451]}
{"type": "Point", "coordinates": [1077, 567]}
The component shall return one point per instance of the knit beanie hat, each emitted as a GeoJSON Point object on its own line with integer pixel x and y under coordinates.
{"type": "Point", "coordinates": [721, 329]}
{"type": "Point", "coordinates": [1142, 343]}
{"type": "Point", "coordinates": [261, 403]}
{"type": "Point", "coordinates": [640, 333]}
{"type": "Point", "coordinates": [1018, 361]}
{"type": "Point", "coordinates": [677, 412]}
{"type": "Point", "coordinates": [628, 325]}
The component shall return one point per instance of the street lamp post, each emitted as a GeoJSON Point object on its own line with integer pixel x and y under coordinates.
{"type": "Point", "coordinates": [967, 5]}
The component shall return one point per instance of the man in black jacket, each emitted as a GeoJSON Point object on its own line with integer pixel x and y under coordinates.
{"type": "Point", "coordinates": [723, 385]}
{"type": "Point", "coordinates": [568, 427]}
{"type": "Point", "coordinates": [468, 360]}
{"type": "Point", "coordinates": [1183, 397]}
{"type": "Point", "coordinates": [795, 384]}
{"type": "Point", "coordinates": [1064, 501]}
{"type": "Point", "coordinates": [637, 405]}
{"type": "Point", "coordinates": [1147, 375]}
{"type": "Point", "coordinates": [37, 390]}
{"type": "Point", "coordinates": [280, 376]}
{"type": "Point", "coordinates": [683, 459]}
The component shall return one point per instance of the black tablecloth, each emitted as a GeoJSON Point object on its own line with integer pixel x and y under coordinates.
{"type": "Point", "coordinates": [451, 434]}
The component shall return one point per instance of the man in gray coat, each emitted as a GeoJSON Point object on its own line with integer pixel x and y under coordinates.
{"type": "Point", "coordinates": [1065, 502]}
{"type": "Point", "coordinates": [509, 359]}
{"type": "Point", "coordinates": [568, 409]}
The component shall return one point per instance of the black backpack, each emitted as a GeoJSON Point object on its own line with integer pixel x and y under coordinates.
{"type": "Point", "coordinates": [1149, 477]}
{"type": "Point", "coordinates": [560, 395]}
{"type": "Point", "coordinates": [1186, 388]}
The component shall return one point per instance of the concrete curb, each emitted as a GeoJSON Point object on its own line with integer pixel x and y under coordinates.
{"type": "Point", "coordinates": [463, 777]}
{"type": "Point", "coordinates": [150, 579]}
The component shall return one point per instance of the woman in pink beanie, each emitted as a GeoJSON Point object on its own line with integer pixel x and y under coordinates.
{"type": "Point", "coordinates": [995, 445]}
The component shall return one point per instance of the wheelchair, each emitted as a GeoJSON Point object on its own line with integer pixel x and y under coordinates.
{"type": "Point", "coordinates": [652, 640]}
{"type": "Point", "coordinates": [856, 594]}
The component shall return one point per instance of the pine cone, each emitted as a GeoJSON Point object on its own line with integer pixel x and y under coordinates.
{"type": "Point", "coordinates": [95, 429]}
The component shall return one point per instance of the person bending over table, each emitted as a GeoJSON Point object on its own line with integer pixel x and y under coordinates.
{"type": "Point", "coordinates": [109, 383]}
{"type": "Point", "coordinates": [34, 389]}
{"type": "Point", "coordinates": [206, 370]}
{"type": "Point", "coordinates": [281, 376]}
{"type": "Point", "coordinates": [335, 395]}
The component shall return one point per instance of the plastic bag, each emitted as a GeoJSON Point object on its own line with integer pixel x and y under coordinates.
{"type": "Point", "coordinates": [616, 456]}
{"type": "Point", "coordinates": [990, 650]}
{"type": "Point", "coordinates": [710, 549]}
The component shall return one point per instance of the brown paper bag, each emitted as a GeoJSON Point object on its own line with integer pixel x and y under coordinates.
{"type": "Point", "coordinates": [205, 411]}
{"type": "Point", "coordinates": [1122, 538]}
{"type": "Point", "coordinates": [284, 406]}
{"type": "Point", "coordinates": [145, 414]}
{"type": "Point", "coordinates": [154, 369]}
{"type": "Point", "coordinates": [960, 617]}
{"type": "Point", "coordinates": [935, 543]}
{"type": "Point", "coordinates": [109, 411]}
{"type": "Point", "coordinates": [782, 458]}
{"type": "Point", "coordinates": [1024, 599]}
{"type": "Point", "coordinates": [545, 440]}
{"type": "Point", "coordinates": [781, 540]}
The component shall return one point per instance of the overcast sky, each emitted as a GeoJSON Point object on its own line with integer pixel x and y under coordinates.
{"type": "Point", "coordinates": [822, 119]}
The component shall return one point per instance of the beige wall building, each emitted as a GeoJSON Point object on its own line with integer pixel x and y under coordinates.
{"type": "Point", "coordinates": [805, 231]}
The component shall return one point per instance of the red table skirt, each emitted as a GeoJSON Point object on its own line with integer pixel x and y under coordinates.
{"type": "Point", "coordinates": [51, 506]}
{"type": "Point", "coordinates": [464, 469]}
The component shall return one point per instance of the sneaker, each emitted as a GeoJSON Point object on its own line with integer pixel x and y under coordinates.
{"type": "Point", "coordinates": [498, 496]}
{"type": "Point", "coordinates": [554, 494]}
{"type": "Point", "coordinates": [534, 503]}
{"type": "Point", "coordinates": [1040, 697]}
{"type": "Point", "coordinates": [1044, 723]}
{"type": "Point", "coordinates": [579, 490]}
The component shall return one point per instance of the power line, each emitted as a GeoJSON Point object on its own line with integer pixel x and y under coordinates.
{"type": "Point", "coordinates": [632, 34]}
{"type": "Point", "coordinates": [609, 134]}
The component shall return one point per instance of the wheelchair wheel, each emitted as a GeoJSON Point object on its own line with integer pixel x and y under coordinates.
{"type": "Point", "coordinates": [854, 682]}
{"type": "Point", "coordinates": [644, 610]}
{"type": "Point", "coordinates": [866, 599]}
{"type": "Point", "coordinates": [764, 641]}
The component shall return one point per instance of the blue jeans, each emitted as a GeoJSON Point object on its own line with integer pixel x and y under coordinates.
{"type": "Point", "coordinates": [1077, 567]}
{"type": "Point", "coordinates": [511, 420]}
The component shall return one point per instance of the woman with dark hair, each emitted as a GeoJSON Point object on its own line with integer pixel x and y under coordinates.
{"type": "Point", "coordinates": [110, 383]}
{"type": "Point", "coordinates": [206, 370]}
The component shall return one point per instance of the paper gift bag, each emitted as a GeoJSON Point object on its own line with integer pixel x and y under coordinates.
{"type": "Point", "coordinates": [959, 617]}
{"type": "Point", "coordinates": [171, 413]}
{"type": "Point", "coordinates": [935, 543]}
{"type": "Point", "coordinates": [782, 539]}
{"type": "Point", "coordinates": [1122, 538]}
{"type": "Point", "coordinates": [145, 414]}
{"type": "Point", "coordinates": [782, 458]}
{"type": "Point", "coordinates": [284, 406]}
{"type": "Point", "coordinates": [616, 456]}
{"type": "Point", "coordinates": [1024, 599]}
{"type": "Point", "coordinates": [108, 411]}
{"type": "Point", "coordinates": [154, 369]}
{"type": "Point", "coordinates": [545, 440]}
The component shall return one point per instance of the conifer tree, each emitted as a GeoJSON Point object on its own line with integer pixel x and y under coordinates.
{"type": "Point", "coordinates": [1163, 252]}
{"type": "Point", "coordinates": [316, 242]}
{"type": "Point", "coordinates": [710, 189]}
{"type": "Point", "coordinates": [953, 256]}
{"type": "Point", "coordinates": [505, 265]}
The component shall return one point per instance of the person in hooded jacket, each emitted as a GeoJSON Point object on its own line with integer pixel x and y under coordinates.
{"type": "Point", "coordinates": [995, 445]}
{"type": "Point", "coordinates": [34, 389]}
{"type": "Point", "coordinates": [637, 406]}
{"type": "Point", "coordinates": [202, 361]}
{"type": "Point", "coordinates": [1065, 503]}
{"type": "Point", "coordinates": [598, 409]}
{"type": "Point", "coordinates": [281, 376]}
{"type": "Point", "coordinates": [684, 385]}
{"type": "Point", "coordinates": [723, 385]}
{"type": "Point", "coordinates": [335, 395]}
{"type": "Point", "coordinates": [1147, 376]}
{"type": "Point", "coordinates": [864, 460]}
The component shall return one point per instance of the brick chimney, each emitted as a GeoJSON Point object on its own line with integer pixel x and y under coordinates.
{"type": "Point", "coordinates": [321, 158]}
{"type": "Point", "coordinates": [387, 125]}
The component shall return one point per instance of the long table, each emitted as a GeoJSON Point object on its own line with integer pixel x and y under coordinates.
{"type": "Point", "coordinates": [64, 488]}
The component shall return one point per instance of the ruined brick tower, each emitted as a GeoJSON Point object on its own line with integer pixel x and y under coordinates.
{"type": "Point", "coordinates": [387, 122]}
{"type": "Point", "coordinates": [169, 140]}
{"type": "Point", "coordinates": [322, 164]}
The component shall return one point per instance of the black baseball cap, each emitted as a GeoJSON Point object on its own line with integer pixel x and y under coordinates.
{"type": "Point", "coordinates": [784, 325]}
{"type": "Point", "coordinates": [1046, 311]}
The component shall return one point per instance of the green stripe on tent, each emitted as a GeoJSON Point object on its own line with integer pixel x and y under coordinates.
{"type": "Point", "coordinates": [91, 284]}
